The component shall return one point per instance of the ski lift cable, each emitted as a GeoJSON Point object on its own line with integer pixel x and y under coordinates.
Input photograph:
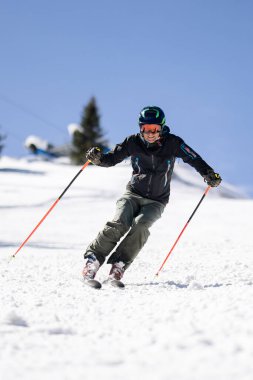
{"type": "Point", "coordinates": [29, 112]}
{"type": "Point", "coordinates": [11, 134]}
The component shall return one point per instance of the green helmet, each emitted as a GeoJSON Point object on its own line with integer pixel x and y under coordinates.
{"type": "Point", "coordinates": [152, 115]}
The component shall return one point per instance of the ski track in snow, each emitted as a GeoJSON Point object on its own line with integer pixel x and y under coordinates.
{"type": "Point", "coordinates": [193, 321]}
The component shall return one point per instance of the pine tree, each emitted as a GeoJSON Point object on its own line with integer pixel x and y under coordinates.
{"type": "Point", "coordinates": [90, 135]}
{"type": "Point", "coordinates": [2, 138]}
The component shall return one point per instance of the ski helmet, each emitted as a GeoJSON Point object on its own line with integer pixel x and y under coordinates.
{"type": "Point", "coordinates": [152, 115]}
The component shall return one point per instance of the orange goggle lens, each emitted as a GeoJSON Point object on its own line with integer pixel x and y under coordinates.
{"type": "Point", "coordinates": [150, 128]}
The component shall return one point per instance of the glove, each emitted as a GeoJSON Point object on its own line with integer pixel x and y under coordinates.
{"type": "Point", "coordinates": [94, 155]}
{"type": "Point", "coordinates": [212, 179]}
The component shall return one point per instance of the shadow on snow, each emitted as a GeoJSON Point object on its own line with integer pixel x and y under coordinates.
{"type": "Point", "coordinates": [177, 285]}
{"type": "Point", "coordinates": [21, 171]}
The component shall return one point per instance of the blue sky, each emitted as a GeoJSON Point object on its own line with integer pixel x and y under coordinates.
{"type": "Point", "coordinates": [192, 58]}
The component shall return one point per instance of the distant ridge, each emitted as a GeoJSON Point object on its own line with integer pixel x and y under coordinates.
{"type": "Point", "coordinates": [187, 176]}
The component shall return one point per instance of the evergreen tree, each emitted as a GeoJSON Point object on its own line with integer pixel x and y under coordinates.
{"type": "Point", "coordinates": [2, 138]}
{"type": "Point", "coordinates": [90, 135]}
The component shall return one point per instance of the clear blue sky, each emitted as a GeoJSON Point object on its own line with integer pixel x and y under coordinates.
{"type": "Point", "coordinates": [193, 58]}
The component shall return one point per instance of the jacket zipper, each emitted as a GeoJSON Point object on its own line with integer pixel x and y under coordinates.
{"type": "Point", "coordinates": [150, 179]}
{"type": "Point", "coordinates": [137, 164]}
{"type": "Point", "coordinates": [166, 174]}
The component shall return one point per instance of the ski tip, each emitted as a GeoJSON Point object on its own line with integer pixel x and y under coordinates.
{"type": "Point", "coordinates": [93, 284]}
{"type": "Point", "coordinates": [117, 284]}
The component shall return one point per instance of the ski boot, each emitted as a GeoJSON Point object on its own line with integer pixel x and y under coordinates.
{"type": "Point", "coordinates": [89, 272]}
{"type": "Point", "coordinates": [116, 274]}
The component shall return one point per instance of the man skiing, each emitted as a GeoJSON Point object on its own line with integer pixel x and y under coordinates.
{"type": "Point", "coordinates": [153, 152]}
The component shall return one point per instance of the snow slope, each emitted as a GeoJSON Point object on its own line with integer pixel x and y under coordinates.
{"type": "Point", "coordinates": [192, 322]}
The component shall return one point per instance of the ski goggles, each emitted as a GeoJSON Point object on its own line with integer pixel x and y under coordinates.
{"type": "Point", "coordinates": [151, 128]}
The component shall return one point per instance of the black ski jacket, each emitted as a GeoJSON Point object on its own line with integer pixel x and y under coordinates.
{"type": "Point", "coordinates": [153, 163]}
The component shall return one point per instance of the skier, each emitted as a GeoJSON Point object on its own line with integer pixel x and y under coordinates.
{"type": "Point", "coordinates": [153, 152]}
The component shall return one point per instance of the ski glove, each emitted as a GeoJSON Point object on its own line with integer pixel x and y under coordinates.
{"type": "Point", "coordinates": [94, 155]}
{"type": "Point", "coordinates": [212, 179]}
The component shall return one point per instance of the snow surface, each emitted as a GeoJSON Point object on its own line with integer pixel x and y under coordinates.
{"type": "Point", "coordinates": [192, 322]}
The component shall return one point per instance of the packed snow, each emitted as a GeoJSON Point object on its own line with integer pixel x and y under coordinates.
{"type": "Point", "coordinates": [193, 321]}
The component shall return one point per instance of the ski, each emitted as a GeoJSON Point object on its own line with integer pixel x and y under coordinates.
{"type": "Point", "coordinates": [93, 284]}
{"type": "Point", "coordinates": [117, 284]}
{"type": "Point", "coordinates": [114, 283]}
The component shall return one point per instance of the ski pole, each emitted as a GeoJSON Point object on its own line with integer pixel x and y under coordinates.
{"type": "Point", "coordinates": [181, 233]}
{"type": "Point", "coordinates": [50, 209]}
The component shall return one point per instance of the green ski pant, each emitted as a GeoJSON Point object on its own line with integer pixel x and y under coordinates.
{"type": "Point", "coordinates": [135, 215]}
